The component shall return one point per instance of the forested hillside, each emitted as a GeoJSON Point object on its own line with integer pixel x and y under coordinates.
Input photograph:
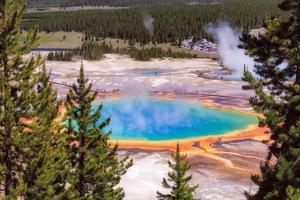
{"type": "Point", "coordinates": [118, 3]}
{"type": "Point", "coordinates": [171, 23]}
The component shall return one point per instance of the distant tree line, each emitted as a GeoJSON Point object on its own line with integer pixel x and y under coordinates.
{"type": "Point", "coordinates": [93, 50]}
{"type": "Point", "coordinates": [60, 56]}
{"type": "Point", "coordinates": [146, 54]}
{"type": "Point", "coordinates": [89, 50]}
{"type": "Point", "coordinates": [113, 3]}
{"type": "Point", "coordinates": [172, 23]}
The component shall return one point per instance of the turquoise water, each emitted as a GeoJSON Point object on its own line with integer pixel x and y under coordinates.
{"type": "Point", "coordinates": [154, 119]}
{"type": "Point", "coordinates": [152, 72]}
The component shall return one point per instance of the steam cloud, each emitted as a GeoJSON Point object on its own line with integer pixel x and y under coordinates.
{"type": "Point", "coordinates": [149, 23]}
{"type": "Point", "coordinates": [138, 109]}
{"type": "Point", "coordinates": [228, 40]}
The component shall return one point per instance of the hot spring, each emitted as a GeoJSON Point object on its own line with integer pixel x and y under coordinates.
{"type": "Point", "coordinates": [156, 119]}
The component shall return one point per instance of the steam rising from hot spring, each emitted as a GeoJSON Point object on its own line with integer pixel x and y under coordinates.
{"type": "Point", "coordinates": [156, 119]}
{"type": "Point", "coordinates": [149, 23]}
{"type": "Point", "coordinates": [228, 41]}
{"type": "Point", "coordinates": [161, 116]}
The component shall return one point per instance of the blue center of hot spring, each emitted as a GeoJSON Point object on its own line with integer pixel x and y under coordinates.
{"type": "Point", "coordinates": [156, 119]}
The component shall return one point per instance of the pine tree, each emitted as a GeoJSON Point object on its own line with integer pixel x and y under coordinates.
{"type": "Point", "coordinates": [16, 83]}
{"type": "Point", "coordinates": [94, 167]}
{"type": "Point", "coordinates": [178, 180]}
{"type": "Point", "coordinates": [277, 91]}
{"type": "Point", "coordinates": [44, 176]}
{"type": "Point", "coordinates": [27, 112]}
{"type": "Point", "coordinates": [50, 56]}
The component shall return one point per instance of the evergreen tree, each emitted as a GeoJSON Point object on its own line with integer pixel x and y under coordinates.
{"type": "Point", "coordinates": [16, 83]}
{"type": "Point", "coordinates": [278, 98]}
{"type": "Point", "coordinates": [91, 50]}
{"type": "Point", "coordinates": [60, 56]}
{"type": "Point", "coordinates": [178, 180]}
{"type": "Point", "coordinates": [94, 167]}
{"type": "Point", "coordinates": [44, 175]}
{"type": "Point", "coordinates": [50, 56]}
{"type": "Point", "coordinates": [27, 113]}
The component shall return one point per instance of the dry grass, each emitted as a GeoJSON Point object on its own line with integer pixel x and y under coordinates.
{"type": "Point", "coordinates": [60, 40]}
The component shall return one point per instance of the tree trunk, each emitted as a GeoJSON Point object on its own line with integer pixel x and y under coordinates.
{"type": "Point", "coordinates": [8, 178]}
